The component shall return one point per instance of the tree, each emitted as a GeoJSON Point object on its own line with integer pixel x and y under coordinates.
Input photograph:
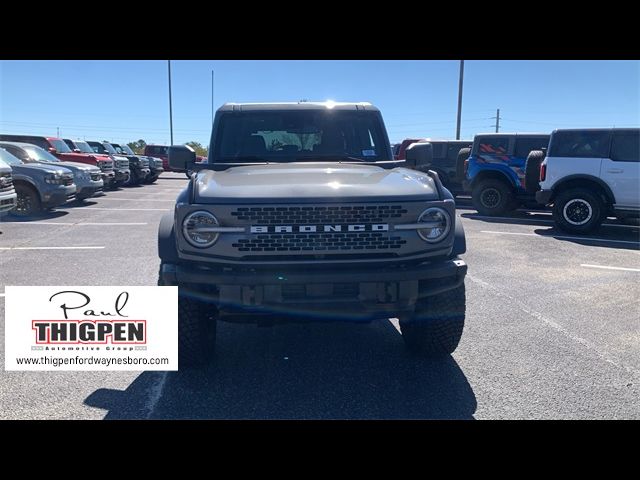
{"type": "Point", "coordinates": [199, 149]}
{"type": "Point", "coordinates": [137, 147]}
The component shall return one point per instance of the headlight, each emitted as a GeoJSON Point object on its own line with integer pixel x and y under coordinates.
{"type": "Point", "coordinates": [53, 179]}
{"type": "Point", "coordinates": [439, 224]}
{"type": "Point", "coordinates": [195, 226]}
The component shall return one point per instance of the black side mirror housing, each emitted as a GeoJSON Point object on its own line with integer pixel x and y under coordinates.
{"type": "Point", "coordinates": [181, 157]}
{"type": "Point", "coordinates": [419, 156]}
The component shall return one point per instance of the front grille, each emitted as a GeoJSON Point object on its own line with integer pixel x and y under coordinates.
{"type": "Point", "coordinates": [319, 215]}
{"type": "Point", "coordinates": [105, 165]}
{"type": "Point", "coordinates": [276, 242]}
{"type": "Point", "coordinates": [6, 182]}
{"type": "Point", "coordinates": [144, 163]}
{"type": "Point", "coordinates": [122, 164]}
{"type": "Point", "coordinates": [67, 180]}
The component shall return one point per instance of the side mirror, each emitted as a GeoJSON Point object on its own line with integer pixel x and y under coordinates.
{"type": "Point", "coordinates": [181, 157]}
{"type": "Point", "coordinates": [77, 150]}
{"type": "Point", "coordinates": [52, 150]}
{"type": "Point", "coordinates": [419, 156]}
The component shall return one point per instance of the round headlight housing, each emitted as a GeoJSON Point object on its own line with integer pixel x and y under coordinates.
{"type": "Point", "coordinates": [440, 224]}
{"type": "Point", "coordinates": [195, 226]}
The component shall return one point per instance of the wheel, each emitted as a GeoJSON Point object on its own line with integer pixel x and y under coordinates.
{"type": "Point", "coordinates": [28, 201]}
{"type": "Point", "coordinates": [197, 326]}
{"type": "Point", "coordinates": [463, 154]}
{"type": "Point", "coordinates": [578, 210]}
{"type": "Point", "coordinates": [436, 327]}
{"type": "Point", "coordinates": [493, 197]}
{"type": "Point", "coordinates": [532, 171]}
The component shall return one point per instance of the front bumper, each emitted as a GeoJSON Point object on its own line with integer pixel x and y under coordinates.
{"type": "Point", "coordinates": [544, 196]}
{"type": "Point", "coordinates": [7, 201]}
{"type": "Point", "coordinates": [88, 191]}
{"type": "Point", "coordinates": [59, 196]}
{"type": "Point", "coordinates": [362, 292]}
{"type": "Point", "coordinates": [122, 176]}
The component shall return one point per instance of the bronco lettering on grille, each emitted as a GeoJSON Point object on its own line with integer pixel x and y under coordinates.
{"type": "Point", "coordinates": [377, 227]}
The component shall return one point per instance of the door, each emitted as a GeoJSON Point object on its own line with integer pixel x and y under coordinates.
{"type": "Point", "coordinates": [621, 170]}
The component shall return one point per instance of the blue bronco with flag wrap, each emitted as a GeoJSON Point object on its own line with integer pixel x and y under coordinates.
{"type": "Point", "coordinates": [503, 170]}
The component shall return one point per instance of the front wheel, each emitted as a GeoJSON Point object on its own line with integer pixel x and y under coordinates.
{"type": "Point", "coordinates": [493, 198]}
{"type": "Point", "coordinates": [436, 326]}
{"type": "Point", "coordinates": [578, 211]}
{"type": "Point", "coordinates": [27, 203]}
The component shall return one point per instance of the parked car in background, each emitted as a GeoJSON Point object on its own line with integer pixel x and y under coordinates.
{"type": "Point", "coordinates": [395, 148]}
{"type": "Point", "coordinates": [404, 145]}
{"type": "Point", "coordinates": [60, 149]}
{"type": "Point", "coordinates": [590, 174]}
{"type": "Point", "coordinates": [88, 179]}
{"type": "Point", "coordinates": [7, 191]}
{"type": "Point", "coordinates": [119, 172]}
{"type": "Point", "coordinates": [155, 164]}
{"type": "Point", "coordinates": [38, 186]}
{"type": "Point", "coordinates": [161, 151]}
{"type": "Point", "coordinates": [448, 161]}
{"type": "Point", "coordinates": [501, 174]}
{"type": "Point", "coordinates": [138, 168]}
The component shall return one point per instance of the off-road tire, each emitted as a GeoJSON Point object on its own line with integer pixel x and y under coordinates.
{"type": "Point", "coordinates": [463, 154]}
{"type": "Point", "coordinates": [582, 207]}
{"type": "Point", "coordinates": [532, 171]}
{"type": "Point", "coordinates": [436, 327]}
{"type": "Point", "coordinates": [493, 198]}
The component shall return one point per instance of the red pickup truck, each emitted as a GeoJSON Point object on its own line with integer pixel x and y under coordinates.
{"type": "Point", "coordinates": [162, 151]}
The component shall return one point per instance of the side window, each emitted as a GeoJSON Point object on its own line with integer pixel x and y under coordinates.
{"type": "Point", "coordinates": [493, 145]}
{"type": "Point", "coordinates": [40, 142]}
{"type": "Point", "coordinates": [626, 147]}
{"type": "Point", "coordinates": [524, 145]}
{"type": "Point", "coordinates": [453, 150]}
{"type": "Point", "coordinates": [580, 143]}
{"type": "Point", "coordinates": [17, 152]}
{"type": "Point", "coordinates": [439, 150]}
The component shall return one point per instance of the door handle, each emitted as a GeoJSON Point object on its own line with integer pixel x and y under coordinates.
{"type": "Point", "coordinates": [615, 170]}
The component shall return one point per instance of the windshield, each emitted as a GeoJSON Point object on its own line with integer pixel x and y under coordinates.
{"type": "Point", "coordinates": [83, 147]}
{"type": "Point", "coordinates": [59, 145]}
{"type": "Point", "coordinates": [285, 136]}
{"type": "Point", "coordinates": [97, 147]}
{"type": "Point", "coordinates": [40, 155]}
{"type": "Point", "coordinates": [127, 150]}
{"type": "Point", "coordinates": [6, 157]}
{"type": "Point", "coordinates": [109, 148]}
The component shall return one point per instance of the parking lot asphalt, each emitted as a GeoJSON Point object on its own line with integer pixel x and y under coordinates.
{"type": "Point", "coordinates": [552, 330]}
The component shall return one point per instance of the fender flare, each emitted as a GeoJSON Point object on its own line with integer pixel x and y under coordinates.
{"type": "Point", "coordinates": [167, 239]}
{"type": "Point", "coordinates": [561, 182]}
{"type": "Point", "coordinates": [459, 240]}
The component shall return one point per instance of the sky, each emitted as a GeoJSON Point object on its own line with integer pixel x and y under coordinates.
{"type": "Point", "coordinates": [123, 101]}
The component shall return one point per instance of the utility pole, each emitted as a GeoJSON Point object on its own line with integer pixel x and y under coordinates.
{"type": "Point", "coordinates": [170, 106]}
{"type": "Point", "coordinates": [58, 132]}
{"type": "Point", "coordinates": [460, 99]}
{"type": "Point", "coordinates": [497, 117]}
{"type": "Point", "coordinates": [212, 97]}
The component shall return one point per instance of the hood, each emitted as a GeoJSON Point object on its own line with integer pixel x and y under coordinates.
{"type": "Point", "coordinates": [71, 156]}
{"type": "Point", "coordinates": [313, 181]}
{"type": "Point", "coordinates": [40, 168]}
{"type": "Point", "coordinates": [75, 166]}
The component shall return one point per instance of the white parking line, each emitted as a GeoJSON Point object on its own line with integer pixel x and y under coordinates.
{"type": "Point", "coordinates": [79, 224]}
{"type": "Point", "coordinates": [128, 209]}
{"type": "Point", "coordinates": [561, 237]}
{"type": "Point", "coordinates": [52, 248]}
{"type": "Point", "coordinates": [141, 199]}
{"type": "Point", "coordinates": [605, 267]}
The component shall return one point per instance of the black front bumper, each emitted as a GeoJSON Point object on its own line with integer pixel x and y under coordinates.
{"type": "Point", "coordinates": [544, 196]}
{"type": "Point", "coordinates": [366, 292]}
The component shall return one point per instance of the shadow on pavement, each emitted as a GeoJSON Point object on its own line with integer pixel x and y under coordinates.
{"type": "Point", "coordinates": [46, 215]}
{"type": "Point", "coordinates": [316, 371]}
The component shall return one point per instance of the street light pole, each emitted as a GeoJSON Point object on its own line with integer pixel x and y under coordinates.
{"type": "Point", "coordinates": [170, 105]}
{"type": "Point", "coordinates": [460, 80]}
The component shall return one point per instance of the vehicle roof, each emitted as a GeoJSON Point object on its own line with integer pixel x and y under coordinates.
{"type": "Point", "coordinates": [611, 129]}
{"type": "Point", "coordinates": [19, 144]}
{"type": "Point", "coordinates": [518, 134]}
{"type": "Point", "coordinates": [240, 107]}
{"type": "Point", "coordinates": [437, 140]}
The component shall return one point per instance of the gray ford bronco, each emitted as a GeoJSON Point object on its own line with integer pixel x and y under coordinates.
{"type": "Point", "coordinates": [301, 213]}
